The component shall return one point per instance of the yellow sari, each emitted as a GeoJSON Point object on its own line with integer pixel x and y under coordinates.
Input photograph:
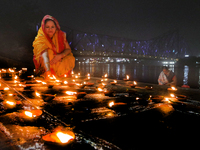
{"type": "Point", "coordinates": [54, 46]}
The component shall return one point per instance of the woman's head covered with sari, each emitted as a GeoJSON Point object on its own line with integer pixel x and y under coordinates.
{"type": "Point", "coordinates": [43, 42]}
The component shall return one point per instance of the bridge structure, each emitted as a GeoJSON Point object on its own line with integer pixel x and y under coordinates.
{"type": "Point", "coordinates": [168, 46]}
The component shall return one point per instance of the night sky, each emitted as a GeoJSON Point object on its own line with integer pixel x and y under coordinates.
{"type": "Point", "coordinates": [131, 19]}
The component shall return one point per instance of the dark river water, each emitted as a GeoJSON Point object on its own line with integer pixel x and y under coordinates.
{"type": "Point", "coordinates": [186, 75]}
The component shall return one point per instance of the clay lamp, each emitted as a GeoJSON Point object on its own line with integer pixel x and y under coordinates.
{"type": "Point", "coordinates": [133, 84]}
{"type": "Point", "coordinates": [127, 78]}
{"type": "Point", "coordinates": [70, 95]}
{"type": "Point", "coordinates": [10, 104]}
{"type": "Point", "coordinates": [170, 99]}
{"type": "Point", "coordinates": [105, 76]}
{"type": "Point", "coordinates": [99, 81]}
{"type": "Point", "coordinates": [10, 101]}
{"type": "Point", "coordinates": [60, 135]}
{"type": "Point", "coordinates": [69, 84]}
{"type": "Point", "coordinates": [172, 89]}
{"type": "Point", "coordinates": [114, 82]}
{"type": "Point", "coordinates": [116, 104]}
{"type": "Point", "coordinates": [87, 79]}
{"type": "Point", "coordinates": [31, 114]}
{"type": "Point", "coordinates": [100, 89]}
{"type": "Point", "coordinates": [88, 83]}
{"type": "Point", "coordinates": [80, 85]}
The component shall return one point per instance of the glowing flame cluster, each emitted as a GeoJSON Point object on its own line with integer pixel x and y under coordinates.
{"type": "Point", "coordinates": [111, 104]}
{"type": "Point", "coordinates": [70, 93]}
{"type": "Point", "coordinates": [64, 138]}
{"type": "Point", "coordinates": [127, 77]}
{"type": "Point", "coordinates": [29, 114]}
{"type": "Point", "coordinates": [10, 103]}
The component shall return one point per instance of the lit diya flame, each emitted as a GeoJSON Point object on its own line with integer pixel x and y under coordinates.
{"type": "Point", "coordinates": [100, 89]}
{"type": "Point", "coordinates": [88, 78]}
{"type": "Point", "coordinates": [172, 88]}
{"type": "Point", "coordinates": [106, 75]}
{"type": "Point", "coordinates": [44, 83]}
{"type": "Point", "coordinates": [113, 83]}
{"type": "Point", "coordinates": [39, 81]}
{"type": "Point", "coordinates": [6, 88]}
{"type": "Point", "coordinates": [65, 82]}
{"type": "Point", "coordinates": [28, 113]}
{"type": "Point", "coordinates": [62, 136]}
{"type": "Point", "coordinates": [11, 70]}
{"type": "Point", "coordinates": [134, 82]}
{"type": "Point", "coordinates": [10, 103]}
{"type": "Point", "coordinates": [37, 94]}
{"type": "Point", "coordinates": [172, 95]}
{"type": "Point", "coordinates": [167, 100]}
{"type": "Point", "coordinates": [15, 77]}
{"type": "Point", "coordinates": [111, 104]}
{"type": "Point", "coordinates": [33, 113]}
{"type": "Point", "coordinates": [127, 77]}
{"type": "Point", "coordinates": [70, 93]}
{"type": "Point", "coordinates": [15, 81]}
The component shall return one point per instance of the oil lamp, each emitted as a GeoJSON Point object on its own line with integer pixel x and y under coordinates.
{"type": "Point", "coordinates": [88, 83]}
{"type": "Point", "coordinates": [172, 89]}
{"type": "Point", "coordinates": [65, 82]}
{"type": "Point", "coordinates": [114, 82]}
{"type": "Point", "coordinates": [127, 78]}
{"type": "Point", "coordinates": [100, 89]}
{"type": "Point", "coordinates": [31, 113]}
{"type": "Point", "coordinates": [87, 79]}
{"type": "Point", "coordinates": [9, 104]}
{"type": "Point", "coordinates": [111, 104]}
{"type": "Point", "coordinates": [70, 93]}
{"type": "Point", "coordinates": [133, 84]}
{"type": "Point", "coordinates": [105, 76]}
{"type": "Point", "coordinates": [60, 135]}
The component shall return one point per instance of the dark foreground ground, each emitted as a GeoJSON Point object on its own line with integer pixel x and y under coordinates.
{"type": "Point", "coordinates": [130, 124]}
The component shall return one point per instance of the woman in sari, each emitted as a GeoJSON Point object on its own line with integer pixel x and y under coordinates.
{"type": "Point", "coordinates": [52, 53]}
{"type": "Point", "coordinates": [167, 77]}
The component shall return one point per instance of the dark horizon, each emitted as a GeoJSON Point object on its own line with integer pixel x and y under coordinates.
{"type": "Point", "coordinates": [137, 20]}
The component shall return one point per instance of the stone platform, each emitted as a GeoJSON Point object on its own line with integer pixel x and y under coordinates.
{"type": "Point", "coordinates": [101, 113]}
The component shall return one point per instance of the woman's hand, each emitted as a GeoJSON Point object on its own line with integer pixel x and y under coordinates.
{"type": "Point", "coordinates": [56, 58]}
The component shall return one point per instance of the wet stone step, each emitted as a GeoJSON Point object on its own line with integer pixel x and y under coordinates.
{"type": "Point", "coordinates": [95, 113]}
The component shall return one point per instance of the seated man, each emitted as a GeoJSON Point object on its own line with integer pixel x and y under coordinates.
{"type": "Point", "coordinates": [167, 77]}
{"type": "Point", "coordinates": [52, 53]}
